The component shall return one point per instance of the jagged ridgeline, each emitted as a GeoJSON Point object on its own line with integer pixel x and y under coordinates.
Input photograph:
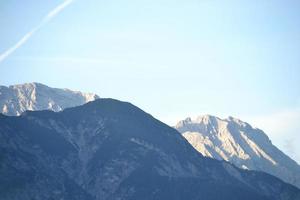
{"type": "Point", "coordinates": [16, 99]}
{"type": "Point", "coordinates": [108, 150]}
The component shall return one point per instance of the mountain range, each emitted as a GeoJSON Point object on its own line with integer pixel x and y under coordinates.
{"type": "Point", "coordinates": [108, 149]}
{"type": "Point", "coordinates": [93, 149]}
{"type": "Point", "coordinates": [239, 143]}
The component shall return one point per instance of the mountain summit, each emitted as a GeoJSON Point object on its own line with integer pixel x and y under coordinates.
{"type": "Point", "coordinates": [16, 99]}
{"type": "Point", "coordinates": [239, 143]}
{"type": "Point", "coordinates": [111, 150]}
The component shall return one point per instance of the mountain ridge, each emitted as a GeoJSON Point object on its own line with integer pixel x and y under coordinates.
{"type": "Point", "coordinates": [18, 98]}
{"type": "Point", "coordinates": [108, 149]}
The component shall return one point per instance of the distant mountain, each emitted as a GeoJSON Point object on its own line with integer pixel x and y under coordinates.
{"type": "Point", "coordinates": [16, 99]}
{"type": "Point", "coordinates": [237, 142]}
{"type": "Point", "coordinates": [111, 150]}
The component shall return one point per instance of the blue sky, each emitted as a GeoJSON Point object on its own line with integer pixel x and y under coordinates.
{"type": "Point", "coordinates": [171, 58]}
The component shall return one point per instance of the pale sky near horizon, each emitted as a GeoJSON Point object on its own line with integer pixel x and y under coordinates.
{"type": "Point", "coordinates": [173, 59]}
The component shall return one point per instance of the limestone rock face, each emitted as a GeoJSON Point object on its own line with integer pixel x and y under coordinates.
{"type": "Point", "coordinates": [16, 99]}
{"type": "Point", "coordinates": [239, 143]}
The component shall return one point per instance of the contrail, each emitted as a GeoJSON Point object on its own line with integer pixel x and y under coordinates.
{"type": "Point", "coordinates": [28, 35]}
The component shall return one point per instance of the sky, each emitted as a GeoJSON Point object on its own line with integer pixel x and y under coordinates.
{"type": "Point", "coordinates": [173, 59]}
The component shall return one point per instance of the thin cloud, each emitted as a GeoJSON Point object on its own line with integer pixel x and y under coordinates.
{"type": "Point", "coordinates": [98, 61]}
{"type": "Point", "coordinates": [28, 35]}
{"type": "Point", "coordinates": [78, 60]}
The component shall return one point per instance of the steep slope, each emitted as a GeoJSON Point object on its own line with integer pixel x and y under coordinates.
{"type": "Point", "coordinates": [237, 142]}
{"type": "Point", "coordinates": [109, 150]}
{"type": "Point", "coordinates": [16, 99]}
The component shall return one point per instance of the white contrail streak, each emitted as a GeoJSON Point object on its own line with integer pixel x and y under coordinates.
{"type": "Point", "coordinates": [28, 35]}
{"type": "Point", "coordinates": [57, 10]}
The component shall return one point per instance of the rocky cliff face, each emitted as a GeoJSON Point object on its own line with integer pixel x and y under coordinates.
{"type": "Point", "coordinates": [109, 150]}
{"type": "Point", "coordinates": [16, 99]}
{"type": "Point", "coordinates": [237, 142]}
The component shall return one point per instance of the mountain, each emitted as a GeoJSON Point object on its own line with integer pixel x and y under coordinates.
{"type": "Point", "coordinates": [239, 143]}
{"type": "Point", "coordinates": [16, 99]}
{"type": "Point", "coordinates": [111, 150]}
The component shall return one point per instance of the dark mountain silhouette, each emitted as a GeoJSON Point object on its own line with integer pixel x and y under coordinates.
{"type": "Point", "coordinates": [108, 149]}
